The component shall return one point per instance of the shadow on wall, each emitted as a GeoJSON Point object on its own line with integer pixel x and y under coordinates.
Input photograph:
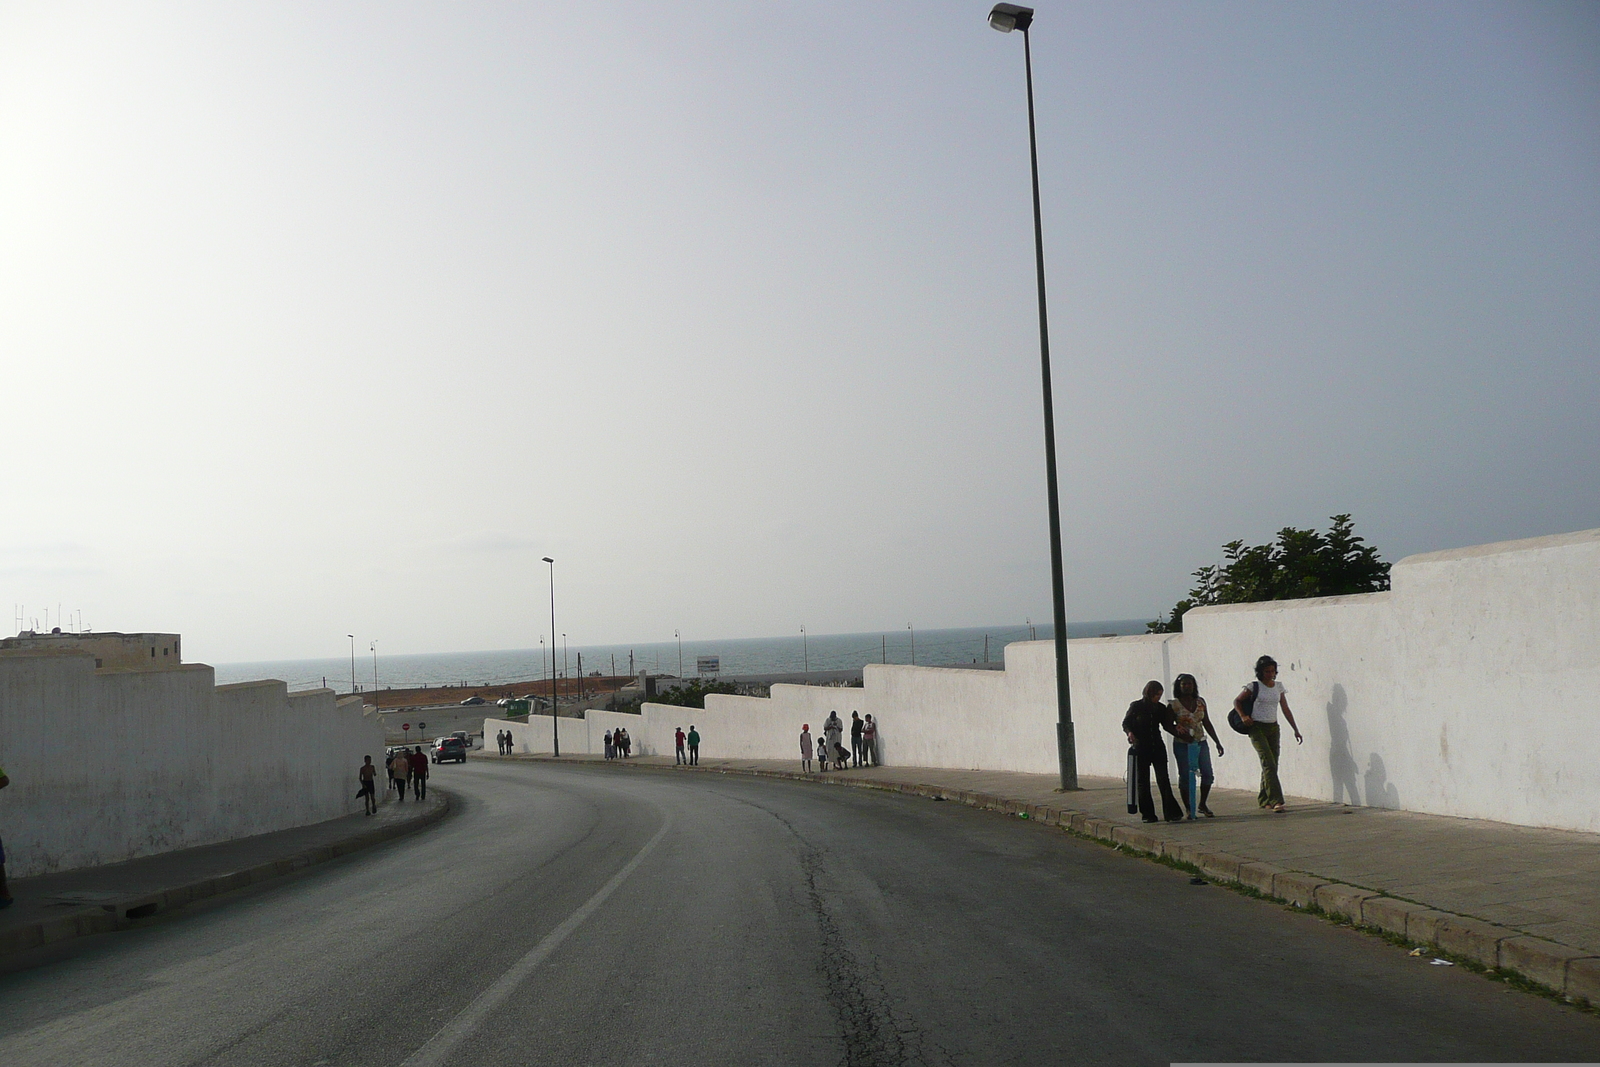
{"type": "Point", "coordinates": [1381, 792]}
{"type": "Point", "coordinates": [1341, 760]}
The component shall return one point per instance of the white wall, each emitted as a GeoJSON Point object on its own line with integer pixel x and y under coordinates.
{"type": "Point", "coordinates": [109, 766]}
{"type": "Point", "coordinates": [1469, 689]}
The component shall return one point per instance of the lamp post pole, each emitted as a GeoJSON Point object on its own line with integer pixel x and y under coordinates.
{"type": "Point", "coordinates": [1005, 18]}
{"type": "Point", "coordinates": [913, 631]}
{"type": "Point", "coordinates": [555, 725]}
{"type": "Point", "coordinates": [374, 666]}
{"type": "Point", "coordinates": [352, 638]}
{"type": "Point", "coordinates": [679, 636]}
{"type": "Point", "coordinates": [805, 645]}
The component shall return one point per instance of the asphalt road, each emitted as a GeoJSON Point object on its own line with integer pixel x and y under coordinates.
{"type": "Point", "coordinates": [597, 915]}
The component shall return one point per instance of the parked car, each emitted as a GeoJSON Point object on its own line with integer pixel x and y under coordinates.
{"type": "Point", "coordinates": [449, 748]}
{"type": "Point", "coordinates": [503, 702]}
{"type": "Point", "coordinates": [464, 737]}
{"type": "Point", "coordinates": [473, 701]}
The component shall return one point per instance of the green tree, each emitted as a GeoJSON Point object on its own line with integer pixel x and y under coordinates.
{"type": "Point", "coordinates": [1299, 564]}
{"type": "Point", "coordinates": [693, 693]}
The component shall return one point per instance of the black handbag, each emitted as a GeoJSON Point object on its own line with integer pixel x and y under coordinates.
{"type": "Point", "coordinates": [1133, 780]}
{"type": "Point", "coordinates": [1234, 720]}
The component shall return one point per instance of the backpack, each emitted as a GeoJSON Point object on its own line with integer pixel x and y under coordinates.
{"type": "Point", "coordinates": [1233, 713]}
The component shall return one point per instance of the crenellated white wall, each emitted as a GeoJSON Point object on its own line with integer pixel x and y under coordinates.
{"type": "Point", "coordinates": [109, 766]}
{"type": "Point", "coordinates": [1469, 689]}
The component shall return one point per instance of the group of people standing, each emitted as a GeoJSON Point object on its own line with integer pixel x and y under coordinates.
{"type": "Point", "coordinates": [503, 740]}
{"type": "Point", "coordinates": [405, 768]}
{"type": "Point", "coordinates": [830, 748]}
{"type": "Point", "coordinates": [618, 744]}
{"type": "Point", "coordinates": [1185, 718]}
{"type": "Point", "coordinates": [687, 746]}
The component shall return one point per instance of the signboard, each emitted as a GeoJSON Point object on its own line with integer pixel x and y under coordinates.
{"type": "Point", "coordinates": [708, 664]}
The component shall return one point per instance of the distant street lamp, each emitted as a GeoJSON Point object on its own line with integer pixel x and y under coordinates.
{"type": "Point", "coordinates": [1005, 18]}
{"type": "Point", "coordinates": [805, 645]}
{"type": "Point", "coordinates": [680, 652]}
{"type": "Point", "coordinates": [555, 725]}
{"type": "Point", "coordinates": [374, 666]}
{"type": "Point", "coordinates": [352, 638]}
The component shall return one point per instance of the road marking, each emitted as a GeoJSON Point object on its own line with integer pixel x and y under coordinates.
{"type": "Point", "coordinates": [467, 1021]}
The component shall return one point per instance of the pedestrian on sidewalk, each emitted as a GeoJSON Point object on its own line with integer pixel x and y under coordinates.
{"type": "Point", "coordinates": [822, 753]}
{"type": "Point", "coordinates": [368, 776]}
{"type": "Point", "coordinates": [6, 899]}
{"type": "Point", "coordinates": [805, 749]}
{"type": "Point", "coordinates": [626, 744]}
{"type": "Point", "coordinates": [1258, 706]}
{"type": "Point", "coordinates": [869, 742]}
{"type": "Point", "coordinates": [694, 746]}
{"type": "Point", "coordinates": [832, 731]}
{"type": "Point", "coordinates": [388, 766]}
{"type": "Point", "coordinates": [611, 749]}
{"type": "Point", "coordinates": [1189, 744]}
{"type": "Point", "coordinates": [419, 774]}
{"type": "Point", "coordinates": [856, 742]}
{"type": "Point", "coordinates": [1143, 723]}
{"type": "Point", "coordinates": [400, 772]}
{"type": "Point", "coordinates": [680, 739]}
{"type": "Point", "coordinates": [503, 741]}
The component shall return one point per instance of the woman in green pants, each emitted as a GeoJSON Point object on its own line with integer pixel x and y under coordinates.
{"type": "Point", "coordinates": [1258, 706]}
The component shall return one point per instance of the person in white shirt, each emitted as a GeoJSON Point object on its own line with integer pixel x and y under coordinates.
{"type": "Point", "coordinates": [1258, 706]}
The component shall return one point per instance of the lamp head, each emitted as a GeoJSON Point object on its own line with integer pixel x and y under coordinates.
{"type": "Point", "coordinates": [547, 559]}
{"type": "Point", "coordinates": [1008, 17]}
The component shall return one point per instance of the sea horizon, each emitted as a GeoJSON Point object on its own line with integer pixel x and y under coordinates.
{"type": "Point", "coordinates": [737, 656]}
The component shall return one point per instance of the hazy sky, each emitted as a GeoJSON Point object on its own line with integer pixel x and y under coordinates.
{"type": "Point", "coordinates": [320, 318]}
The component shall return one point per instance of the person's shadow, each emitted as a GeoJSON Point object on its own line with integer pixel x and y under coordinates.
{"type": "Point", "coordinates": [1341, 760]}
{"type": "Point", "coordinates": [1381, 792]}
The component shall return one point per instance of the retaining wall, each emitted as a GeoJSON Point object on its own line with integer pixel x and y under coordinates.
{"type": "Point", "coordinates": [1468, 689]}
{"type": "Point", "coordinates": [107, 766]}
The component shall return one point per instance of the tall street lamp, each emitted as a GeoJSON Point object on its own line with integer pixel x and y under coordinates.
{"type": "Point", "coordinates": [555, 725]}
{"type": "Point", "coordinates": [913, 632]}
{"type": "Point", "coordinates": [374, 666]}
{"type": "Point", "coordinates": [1005, 18]}
{"type": "Point", "coordinates": [805, 645]}
{"type": "Point", "coordinates": [352, 638]}
{"type": "Point", "coordinates": [680, 652]}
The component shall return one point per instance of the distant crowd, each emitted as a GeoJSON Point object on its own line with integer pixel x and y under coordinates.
{"type": "Point", "coordinates": [406, 768]}
{"type": "Point", "coordinates": [829, 748]}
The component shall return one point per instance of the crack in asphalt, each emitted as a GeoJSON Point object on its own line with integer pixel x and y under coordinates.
{"type": "Point", "coordinates": [874, 1033]}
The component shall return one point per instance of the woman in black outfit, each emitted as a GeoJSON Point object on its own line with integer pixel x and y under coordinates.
{"type": "Point", "coordinates": [1143, 724]}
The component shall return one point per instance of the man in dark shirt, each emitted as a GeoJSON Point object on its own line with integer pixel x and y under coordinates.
{"type": "Point", "coordinates": [1143, 724]}
{"type": "Point", "coordinates": [855, 739]}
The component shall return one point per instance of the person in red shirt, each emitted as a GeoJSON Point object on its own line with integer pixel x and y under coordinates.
{"type": "Point", "coordinates": [419, 773]}
{"type": "Point", "coordinates": [681, 738]}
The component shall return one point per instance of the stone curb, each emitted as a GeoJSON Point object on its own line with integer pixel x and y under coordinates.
{"type": "Point", "coordinates": [106, 918]}
{"type": "Point", "coordinates": [1570, 972]}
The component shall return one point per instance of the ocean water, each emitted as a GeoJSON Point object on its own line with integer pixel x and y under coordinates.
{"type": "Point", "coordinates": [750, 655]}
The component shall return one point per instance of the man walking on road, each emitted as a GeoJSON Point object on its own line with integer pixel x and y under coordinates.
{"type": "Point", "coordinates": [419, 773]}
{"type": "Point", "coordinates": [694, 746]}
{"type": "Point", "coordinates": [369, 786]}
{"type": "Point", "coordinates": [400, 772]}
{"type": "Point", "coordinates": [857, 754]}
{"type": "Point", "coordinates": [680, 737]}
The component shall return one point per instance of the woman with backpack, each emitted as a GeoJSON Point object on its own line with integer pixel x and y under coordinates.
{"type": "Point", "coordinates": [1257, 705]}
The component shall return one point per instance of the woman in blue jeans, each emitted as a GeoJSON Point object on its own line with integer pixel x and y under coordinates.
{"type": "Point", "coordinates": [1189, 743]}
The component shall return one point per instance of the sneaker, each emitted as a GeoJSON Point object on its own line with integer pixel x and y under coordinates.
{"type": "Point", "coordinates": [1207, 812]}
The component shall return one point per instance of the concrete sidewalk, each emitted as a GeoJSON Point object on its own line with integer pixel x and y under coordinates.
{"type": "Point", "coordinates": [1511, 897]}
{"type": "Point", "coordinates": [54, 907]}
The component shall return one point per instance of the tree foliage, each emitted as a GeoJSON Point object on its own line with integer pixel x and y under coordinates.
{"type": "Point", "coordinates": [1299, 564]}
{"type": "Point", "coordinates": [693, 693]}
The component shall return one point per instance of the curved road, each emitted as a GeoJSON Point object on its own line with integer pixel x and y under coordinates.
{"type": "Point", "coordinates": [599, 915]}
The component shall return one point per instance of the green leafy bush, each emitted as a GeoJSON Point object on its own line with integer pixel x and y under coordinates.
{"type": "Point", "coordinates": [1299, 564]}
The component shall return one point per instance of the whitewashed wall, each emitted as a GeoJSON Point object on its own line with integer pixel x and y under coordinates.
{"type": "Point", "coordinates": [1469, 689]}
{"type": "Point", "coordinates": [109, 766]}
